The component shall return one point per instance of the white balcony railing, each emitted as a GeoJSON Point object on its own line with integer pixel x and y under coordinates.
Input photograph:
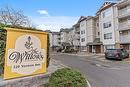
{"type": "Point", "coordinates": [124, 26]}
{"type": "Point", "coordinates": [123, 13]}
{"type": "Point", "coordinates": [124, 39]}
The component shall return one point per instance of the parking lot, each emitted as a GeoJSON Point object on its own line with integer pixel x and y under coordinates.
{"type": "Point", "coordinates": [99, 71]}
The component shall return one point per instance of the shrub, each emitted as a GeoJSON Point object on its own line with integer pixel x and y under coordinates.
{"type": "Point", "coordinates": [2, 49]}
{"type": "Point", "coordinates": [67, 77]}
{"type": "Point", "coordinates": [48, 56]}
{"type": "Point", "coordinates": [67, 50]}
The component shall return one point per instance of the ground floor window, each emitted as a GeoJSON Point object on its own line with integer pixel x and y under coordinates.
{"type": "Point", "coordinates": [109, 46]}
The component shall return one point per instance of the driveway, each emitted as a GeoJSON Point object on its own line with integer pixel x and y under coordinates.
{"type": "Point", "coordinates": [99, 71]}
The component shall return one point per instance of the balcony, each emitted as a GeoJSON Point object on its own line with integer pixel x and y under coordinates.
{"type": "Point", "coordinates": [124, 39]}
{"type": "Point", "coordinates": [123, 3]}
{"type": "Point", "coordinates": [123, 13]}
{"type": "Point", "coordinates": [124, 26]}
{"type": "Point", "coordinates": [77, 31]}
{"type": "Point", "coordinates": [77, 37]}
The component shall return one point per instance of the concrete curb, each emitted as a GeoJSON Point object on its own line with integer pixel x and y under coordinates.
{"type": "Point", "coordinates": [88, 83]}
{"type": "Point", "coordinates": [82, 54]}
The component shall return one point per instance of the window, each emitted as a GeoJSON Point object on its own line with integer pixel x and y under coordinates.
{"type": "Point", "coordinates": [108, 36]}
{"type": "Point", "coordinates": [82, 39]}
{"type": "Point", "coordinates": [98, 33]}
{"type": "Point", "coordinates": [107, 13]}
{"type": "Point", "coordinates": [97, 24]}
{"type": "Point", "coordinates": [128, 8]}
{"type": "Point", "coordinates": [107, 25]}
{"type": "Point", "coordinates": [83, 32]}
{"type": "Point", "coordinates": [82, 25]}
{"type": "Point", "coordinates": [109, 47]}
{"type": "Point", "coordinates": [59, 38]}
{"type": "Point", "coordinates": [129, 21]}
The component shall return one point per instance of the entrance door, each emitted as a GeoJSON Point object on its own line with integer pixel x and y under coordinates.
{"type": "Point", "coordinates": [98, 49]}
{"type": "Point", "coordinates": [90, 49]}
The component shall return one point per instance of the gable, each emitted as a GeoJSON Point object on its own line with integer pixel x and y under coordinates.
{"type": "Point", "coordinates": [81, 19]}
{"type": "Point", "coordinates": [105, 5]}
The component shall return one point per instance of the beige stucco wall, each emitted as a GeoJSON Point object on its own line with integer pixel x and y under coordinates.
{"type": "Point", "coordinates": [111, 29]}
{"type": "Point", "coordinates": [91, 30]}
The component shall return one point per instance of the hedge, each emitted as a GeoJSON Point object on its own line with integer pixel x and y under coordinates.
{"type": "Point", "coordinates": [67, 77]}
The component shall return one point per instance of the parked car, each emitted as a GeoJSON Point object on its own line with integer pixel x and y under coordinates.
{"type": "Point", "coordinates": [116, 54]}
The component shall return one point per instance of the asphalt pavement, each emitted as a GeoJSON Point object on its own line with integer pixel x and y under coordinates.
{"type": "Point", "coordinates": [99, 71]}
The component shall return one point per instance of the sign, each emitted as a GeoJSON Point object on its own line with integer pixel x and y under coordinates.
{"type": "Point", "coordinates": [25, 53]}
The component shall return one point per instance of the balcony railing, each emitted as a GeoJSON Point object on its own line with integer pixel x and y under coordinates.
{"type": "Point", "coordinates": [124, 39]}
{"type": "Point", "coordinates": [124, 26]}
{"type": "Point", "coordinates": [123, 13]}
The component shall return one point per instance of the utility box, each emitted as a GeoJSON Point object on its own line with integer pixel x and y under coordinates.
{"type": "Point", "coordinates": [25, 52]}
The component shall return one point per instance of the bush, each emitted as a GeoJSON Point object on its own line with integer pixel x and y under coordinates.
{"type": "Point", "coordinates": [67, 50]}
{"type": "Point", "coordinates": [67, 77]}
{"type": "Point", "coordinates": [48, 56]}
{"type": "Point", "coordinates": [2, 49]}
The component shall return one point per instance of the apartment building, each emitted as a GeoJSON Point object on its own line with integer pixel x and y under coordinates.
{"type": "Point", "coordinates": [89, 34]}
{"type": "Point", "coordinates": [83, 33]}
{"type": "Point", "coordinates": [64, 36]}
{"type": "Point", "coordinates": [76, 41]}
{"type": "Point", "coordinates": [108, 25]}
{"type": "Point", "coordinates": [124, 23]}
{"type": "Point", "coordinates": [74, 36]}
{"type": "Point", "coordinates": [54, 40]}
{"type": "Point", "coordinates": [95, 45]}
{"type": "Point", "coordinates": [110, 28]}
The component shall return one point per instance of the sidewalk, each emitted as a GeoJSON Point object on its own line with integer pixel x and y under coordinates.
{"type": "Point", "coordinates": [54, 65]}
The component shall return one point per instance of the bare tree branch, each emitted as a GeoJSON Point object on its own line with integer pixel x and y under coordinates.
{"type": "Point", "coordinates": [10, 16]}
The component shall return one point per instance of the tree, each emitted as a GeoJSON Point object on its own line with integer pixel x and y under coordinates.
{"type": "Point", "coordinates": [10, 16]}
{"type": "Point", "coordinates": [71, 39]}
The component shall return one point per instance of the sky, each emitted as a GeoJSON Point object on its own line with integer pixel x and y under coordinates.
{"type": "Point", "coordinates": [54, 14]}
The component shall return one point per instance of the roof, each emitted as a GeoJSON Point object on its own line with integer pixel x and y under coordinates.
{"type": "Point", "coordinates": [105, 6]}
{"type": "Point", "coordinates": [76, 25]}
{"type": "Point", "coordinates": [65, 30]}
{"type": "Point", "coordinates": [55, 33]}
{"type": "Point", "coordinates": [82, 18]}
{"type": "Point", "coordinates": [48, 31]}
{"type": "Point", "coordinates": [95, 42]}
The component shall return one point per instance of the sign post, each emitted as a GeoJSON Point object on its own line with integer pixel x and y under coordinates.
{"type": "Point", "coordinates": [26, 53]}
